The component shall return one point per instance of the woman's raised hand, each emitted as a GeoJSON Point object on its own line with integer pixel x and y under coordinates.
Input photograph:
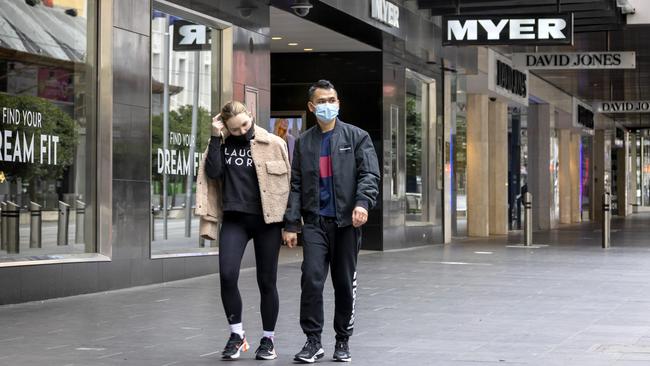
{"type": "Point", "coordinates": [218, 126]}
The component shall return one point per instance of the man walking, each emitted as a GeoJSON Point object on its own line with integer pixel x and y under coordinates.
{"type": "Point", "coordinates": [334, 182]}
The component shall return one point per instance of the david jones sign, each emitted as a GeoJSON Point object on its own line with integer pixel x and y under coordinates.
{"type": "Point", "coordinates": [642, 106]}
{"type": "Point", "coordinates": [575, 60]}
{"type": "Point", "coordinates": [531, 30]}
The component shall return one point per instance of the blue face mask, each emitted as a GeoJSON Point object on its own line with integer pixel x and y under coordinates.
{"type": "Point", "coordinates": [326, 112]}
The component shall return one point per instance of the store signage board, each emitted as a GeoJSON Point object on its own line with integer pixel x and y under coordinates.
{"type": "Point", "coordinates": [385, 12]}
{"type": "Point", "coordinates": [506, 80]}
{"type": "Point", "coordinates": [642, 106]}
{"type": "Point", "coordinates": [532, 30]}
{"type": "Point", "coordinates": [575, 60]}
{"type": "Point", "coordinates": [189, 36]}
{"type": "Point", "coordinates": [583, 115]}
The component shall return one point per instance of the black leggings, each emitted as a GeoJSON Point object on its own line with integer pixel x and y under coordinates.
{"type": "Point", "coordinates": [237, 229]}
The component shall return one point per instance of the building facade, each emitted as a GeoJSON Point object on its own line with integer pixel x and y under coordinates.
{"type": "Point", "coordinates": [106, 112]}
{"type": "Point", "coordinates": [107, 109]}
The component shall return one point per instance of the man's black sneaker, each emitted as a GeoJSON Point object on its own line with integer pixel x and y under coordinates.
{"type": "Point", "coordinates": [234, 347]}
{"type": "Point", "coordinates": [266, 350]}
{"type": "Point", "coordinates": [342, 352]}
{"type": "Point", "coordinates": [311, 351]}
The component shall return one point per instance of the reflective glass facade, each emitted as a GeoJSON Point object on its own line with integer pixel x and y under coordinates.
{"type": "Point", "coordinates": [48, 132]}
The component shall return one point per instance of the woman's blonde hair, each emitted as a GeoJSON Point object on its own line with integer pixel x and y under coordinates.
{"type": "Point", "coordinates": [281, 123]}
{"type": "Point", "coordinates": [231, 109]}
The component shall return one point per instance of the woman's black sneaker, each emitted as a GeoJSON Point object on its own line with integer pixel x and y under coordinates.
{"type": "Point", "coordinates": [311, 351]}
{"type": "Point", "coordinates": [266, 350]}
{"type": "Point", "coordinates": [342, 352]}
{"type": "Point", "coordinates": [234, 347]}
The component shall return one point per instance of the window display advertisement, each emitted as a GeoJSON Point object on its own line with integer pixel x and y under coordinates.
{"type": "Point", "coordinates": [47, 130]}
{"type": "Point", "coordinates": [17, 145]}
{"type": "Point", "coordinates": [182, 99]}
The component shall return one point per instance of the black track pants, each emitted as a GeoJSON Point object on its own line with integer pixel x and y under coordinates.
{"type": "Point", "coordinates": [237, 229]}
{"type": "Point", "coordinates": [328, 246]}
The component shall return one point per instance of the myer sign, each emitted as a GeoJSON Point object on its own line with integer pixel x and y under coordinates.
{"type": "Point", "coordinates": [530, 30]}
{"type": "Point", "coordinates": [575, 60]}
{"type": "Point", "coordinates": [642, 106]}
{"type": "Point", "coordinates": [386, 12]}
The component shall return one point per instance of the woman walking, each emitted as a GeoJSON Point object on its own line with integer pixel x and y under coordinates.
{"type": "Point", "coordinates": [243, 183]}
{"type": "Point", "coordinates": [281, 129]}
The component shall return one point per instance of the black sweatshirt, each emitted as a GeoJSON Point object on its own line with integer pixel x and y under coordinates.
{"type": "Point", "coordinates": [233, 163]}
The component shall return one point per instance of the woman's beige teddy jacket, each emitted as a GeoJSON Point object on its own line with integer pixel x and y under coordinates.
{"type": "Point", "coordinates": [273, 174]}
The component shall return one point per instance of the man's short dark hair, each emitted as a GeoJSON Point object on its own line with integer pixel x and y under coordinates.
{"type": "Point", "coordinates": [320, 84]}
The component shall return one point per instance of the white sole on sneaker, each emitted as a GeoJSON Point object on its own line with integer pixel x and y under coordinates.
{"type": "Point", "coordinates": [243, 348]}
{"type": "Point", "coordinates": [342, 359]}
{"type": "Point", "coordinates": [320, 354]}
{"type": "Point", "coordinates": [271, 357]}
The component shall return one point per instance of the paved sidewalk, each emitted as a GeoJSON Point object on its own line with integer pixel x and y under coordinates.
{"type": "Point", "coordinates": [474, 302]}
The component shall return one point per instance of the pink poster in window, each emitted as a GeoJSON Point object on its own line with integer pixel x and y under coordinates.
{"type": "Point", "coordinates": [55, 84]}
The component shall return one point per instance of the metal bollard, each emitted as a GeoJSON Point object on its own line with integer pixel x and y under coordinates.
{"type": "Point", "coordinates": [35, 225]}
{"type": "Point", "coordinates": [607, 217]}
{"type": "Point", "coordinates": [528, 219]}
{"type": "Point", "coordinates": [201, 242]}
{"type": "Point", "coordinates": [3, 226]}
{"type": "Point", "coordinates": [12, 217]}
{"type": "Point", "coordinates": [79, 222]}
{"type": "Point", "coordinates": [62, 233]}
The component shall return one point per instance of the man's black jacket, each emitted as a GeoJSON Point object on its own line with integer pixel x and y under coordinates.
{"type": "Point", "coordinates": [355, 175]}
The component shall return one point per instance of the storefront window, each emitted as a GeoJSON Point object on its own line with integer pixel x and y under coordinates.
{"type": "Point", "coordinates": [517, 172]}
{"type": "Point", "coordinates": [638, 175]}
{"type": "Point", "coordinates": [182, 106]}
{"type": "Point", "coordinates": [417, 148]}
{"type": "Point", "coordinates": [47, 137]}
{"type": "Point", "coordinates": [460, 160]}
{"type": "Point", "coordinates": [554, 166]}
{"type": "Point", "coordinates": [585, 176]}
{"type": "Point", "coordinates": [614, 178]}
{"type": "Point", "coordinates": [645, 180]}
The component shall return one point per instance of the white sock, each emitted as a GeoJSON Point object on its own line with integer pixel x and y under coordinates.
{"type": "Point", "coordinates": [268, 334]}
{"type": "Point", "coordinates": [237, 328]}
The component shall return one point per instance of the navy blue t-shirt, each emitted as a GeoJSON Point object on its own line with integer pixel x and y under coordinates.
{"type": "Point", "coordinates": [327, 202]}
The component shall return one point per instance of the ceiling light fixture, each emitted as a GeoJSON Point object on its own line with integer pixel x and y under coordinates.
{"type": "Point", "coordinates": [308, 49]}
{"type": "Point", "coordinates": [276, 38]}
{"type": "Point", "coordinates": [292, 44]}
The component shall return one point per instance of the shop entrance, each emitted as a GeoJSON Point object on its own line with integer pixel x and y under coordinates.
{"type": "Point", "coordinates": [303, 52]}
{"type": "Point", "coordinates": [409, 209]}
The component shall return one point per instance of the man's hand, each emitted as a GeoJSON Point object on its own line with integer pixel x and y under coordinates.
{"type": "Point", "coordinates": [291, 239]}
{"type": "Point", "coordinates": [359, 216]}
